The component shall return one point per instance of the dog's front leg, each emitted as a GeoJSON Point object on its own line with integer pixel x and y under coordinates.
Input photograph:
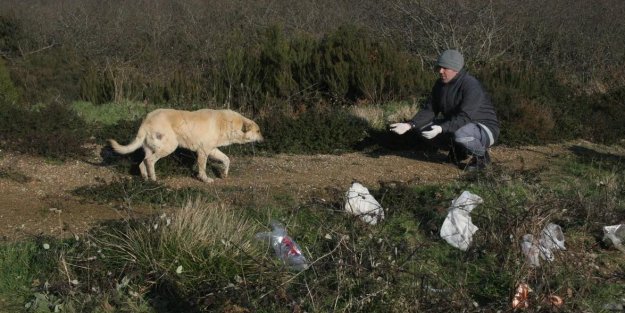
{"type": "Point", "coordinates": [202, 157]}
{"type": "Point", "coordinates": [217, 155]}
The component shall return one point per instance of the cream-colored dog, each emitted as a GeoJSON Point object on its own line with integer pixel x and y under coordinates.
{"type": "Point", "coordinates": [201, 131]}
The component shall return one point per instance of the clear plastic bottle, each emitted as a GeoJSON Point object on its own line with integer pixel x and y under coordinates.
{"type": "Point", "coordinates": [284, 246]}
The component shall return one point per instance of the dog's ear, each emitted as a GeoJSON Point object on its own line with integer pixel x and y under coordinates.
{"type": "Point", "coordinates": [247, 126]}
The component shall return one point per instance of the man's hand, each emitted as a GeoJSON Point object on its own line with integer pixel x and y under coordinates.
{"type": "Point", "coordinates": [433, 132]}
{"type": "Point", "coordinates": [400, 128]}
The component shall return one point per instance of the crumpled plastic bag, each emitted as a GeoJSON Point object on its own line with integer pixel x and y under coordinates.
{"type": "Point", "coordinates": [284, 246]}
{"type": "Point", "coordinates": [551, 238]}
{"type": "Point", "coordinates": [614, 235]}
{"type": "Point", "coordinates": [530, 249]}
{"type": "Point", "coordinates": [457, 228]}
{"type": "Point", "coordinates": [361, 203]}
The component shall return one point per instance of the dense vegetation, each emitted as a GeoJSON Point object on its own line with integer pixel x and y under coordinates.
{"type": "Point", "coordinates": [555, 70]}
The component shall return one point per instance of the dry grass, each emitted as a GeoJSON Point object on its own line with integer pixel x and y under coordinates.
{"type": "Point", "coordinates": [379, 116]}
{"type": "Point", "coordinates": [202, 224]}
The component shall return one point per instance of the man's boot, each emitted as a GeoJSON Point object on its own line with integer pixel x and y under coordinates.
{"type": "Point", "coordinates": [456, 155]}
{"type": "Point", "coordinates": [478, 163]}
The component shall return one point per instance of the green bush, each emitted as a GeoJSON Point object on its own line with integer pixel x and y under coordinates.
{"type": "Point", "coordinates": [121, 83]}
{"type": "Point", "coordinates": [8, 92]}
{"type": "Point", "coordinates": [314, 131]}
{"type": "Point", "coordinates": [599, 116]}
{"type": "Point", "coordinates": [53, 131]}
{"type": "Point", "coordinates": [355, 66]}
{"type": "Point", "coordinates": [530, 102]}
{"type": "Point", "coordinates": [346, 65]}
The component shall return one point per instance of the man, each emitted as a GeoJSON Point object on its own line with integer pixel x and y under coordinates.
{"type": "Point", "coordinates": [458, 107]}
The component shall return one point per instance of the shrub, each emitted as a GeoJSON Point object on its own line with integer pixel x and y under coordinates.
{"type": "Point", "coordinates": [600, 116]}
{"type": "Point", "coordinates": [354, 66]}
{"type": "Point", "coordinates": [530, 102]}
{"type": "Point", "coordinates": [53, 131]}
{"type": "Point", "coordinates": [535, 122]}
{"type": "Point", "coordinates": [313, 131]}
{"type": "Point", "coordinates": [8, 92]}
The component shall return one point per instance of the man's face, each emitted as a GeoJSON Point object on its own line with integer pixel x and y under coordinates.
{"type": "Point", "coordinates": [446, 74]}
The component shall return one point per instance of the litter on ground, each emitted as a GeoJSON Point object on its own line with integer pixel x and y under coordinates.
{"type": "Point", "coordinates": [614, 236]}
{"type": "Point", "coordinates": [361, 203]}
{"type": "Point", "coordinates": [284, 246]}
{"type": "Point", "coordinates": [551, 238]}
{"type": "Point", "coordinates": [457, 228]}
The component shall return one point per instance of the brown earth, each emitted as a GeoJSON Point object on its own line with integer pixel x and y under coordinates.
{"type": "Point", "coordinates": [36, 194]}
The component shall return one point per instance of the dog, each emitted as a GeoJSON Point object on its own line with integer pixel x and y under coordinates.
{"type": "Point", "coordinates": [201, 131]}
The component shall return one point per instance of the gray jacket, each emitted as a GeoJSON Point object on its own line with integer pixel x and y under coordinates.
{"type": "Point", "coordinates": [461, 101]}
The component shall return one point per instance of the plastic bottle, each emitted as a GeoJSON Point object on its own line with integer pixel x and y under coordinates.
{"type": "Point", "coordinates": [284, 246]}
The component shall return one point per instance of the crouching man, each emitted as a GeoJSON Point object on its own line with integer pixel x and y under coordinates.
{"type": "Point", "coordinates": [460, 108]}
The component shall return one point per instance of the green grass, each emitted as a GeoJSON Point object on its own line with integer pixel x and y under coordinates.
{"type": "Point", "coordinates": [137, 190]}
{"type": "Point", "coordinates": [111, 113]}
{"type": "Point", "coordinates": [17, 274]}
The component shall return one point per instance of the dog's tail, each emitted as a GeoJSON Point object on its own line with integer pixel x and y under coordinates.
{"type": "Point", "coordinates": [134, 145]}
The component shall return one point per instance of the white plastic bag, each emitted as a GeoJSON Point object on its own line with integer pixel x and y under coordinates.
{"type": "Point", "coordinates": [614, 235]}
{"type": "Point", "coordinates": [457, 228]}
{"type": "Point", "coordinates": [551, 238]}
{"type": "Point", "coordinates": [284, 246]}
{"type": "Point", "coordinates": [361, 203]}
{"type": "Point", "coordinates": [531, 250]}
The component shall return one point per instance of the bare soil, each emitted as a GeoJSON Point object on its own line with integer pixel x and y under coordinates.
{"type": "Point", "coordinates": [36, 194]}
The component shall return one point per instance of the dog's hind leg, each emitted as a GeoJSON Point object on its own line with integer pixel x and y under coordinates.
{"type": "Point", "coordinates": [151, 162]}
{"type": "Point", "coordinates": [159, 146]}
{"type": "Point", "coordinates": [215, 154]}
{"type": "Point", "coordinates": [142, 167]}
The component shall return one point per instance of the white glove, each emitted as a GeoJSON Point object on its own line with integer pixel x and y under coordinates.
{"type": "Point", "coordinates": [400, 128]}
{"type": "Point", "coordinates": [429, 134]}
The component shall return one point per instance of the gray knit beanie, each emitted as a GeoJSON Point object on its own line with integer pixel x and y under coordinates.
{"type": "Point", "coordinates": [451, 59]}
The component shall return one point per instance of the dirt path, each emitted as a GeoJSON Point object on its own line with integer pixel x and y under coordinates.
{"type": "Point", "coordinates": [36, 194]}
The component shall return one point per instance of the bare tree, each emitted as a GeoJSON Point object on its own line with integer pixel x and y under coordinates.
{"type": "Point", "coordinates": [429, 27]}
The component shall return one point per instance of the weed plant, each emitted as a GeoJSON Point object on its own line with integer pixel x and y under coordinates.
{"type": "Point", "coordinates": [136, 190]}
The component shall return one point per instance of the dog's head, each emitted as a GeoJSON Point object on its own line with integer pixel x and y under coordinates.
{"type": "Point", "coordinates": [251, 131]}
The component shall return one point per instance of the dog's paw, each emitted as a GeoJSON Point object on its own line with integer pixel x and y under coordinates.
{"type": "Point", "coordinates": [205, 178]}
